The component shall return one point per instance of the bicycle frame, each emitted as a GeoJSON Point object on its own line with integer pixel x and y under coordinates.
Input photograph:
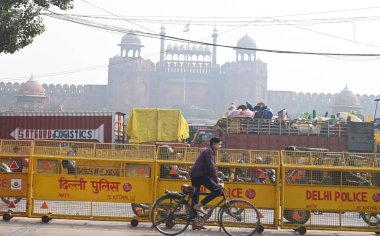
{"type": "Point", "coordinates": [188, 199]}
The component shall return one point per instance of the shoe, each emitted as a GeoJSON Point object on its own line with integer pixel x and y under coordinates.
{"type": "Point", "coordinates": [200, 227]}
{"type": "Point", "coordinates": [199, 208]}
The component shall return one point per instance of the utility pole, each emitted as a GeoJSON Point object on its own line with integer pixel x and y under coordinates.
{"type": "Point", "coordinates": [187, 29]}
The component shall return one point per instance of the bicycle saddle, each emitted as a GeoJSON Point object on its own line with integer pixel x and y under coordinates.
{"type": "Point", "coordinates": [187, 189]}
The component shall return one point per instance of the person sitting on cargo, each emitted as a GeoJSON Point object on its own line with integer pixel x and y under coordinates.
{"type": "Point", "coordinates": [249, 105]}
{"type": "Point", "coordinates": [241, 111]}
{"type": "Point", "coordinates": [245, 112]}
{"type": "Point", "coordinates": [263, 111]}
{"type": "Point", "coordinates": [232, 111]}
{"type": "Point", "coordinates": [282, 115]}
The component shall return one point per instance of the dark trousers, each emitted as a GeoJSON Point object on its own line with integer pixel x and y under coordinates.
{"type": "Point", "coordinates": [210, 184]}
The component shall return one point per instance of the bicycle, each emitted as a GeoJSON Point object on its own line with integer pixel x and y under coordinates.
{"type": "Point", "coordinates": [172, 214]}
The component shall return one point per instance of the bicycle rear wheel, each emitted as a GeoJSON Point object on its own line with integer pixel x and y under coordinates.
{"type": "Point", "coordinates": [239, 217]}
{"type": "Point", "coordinates": [171, 215]}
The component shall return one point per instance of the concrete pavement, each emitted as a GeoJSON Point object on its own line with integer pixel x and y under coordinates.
{"type": "Point", "coordinates": [34, 227]}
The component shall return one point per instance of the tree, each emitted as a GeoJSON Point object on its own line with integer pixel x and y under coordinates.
{"type": "Point", "coordinates": [21, 21]}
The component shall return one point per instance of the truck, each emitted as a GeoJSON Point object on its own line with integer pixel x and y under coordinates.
{"type": "Point", "coordinates": [102, 127]}
{"type": "Point", "coordinates": [262, 134]}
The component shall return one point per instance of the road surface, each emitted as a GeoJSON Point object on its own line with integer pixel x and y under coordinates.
{"type": "Point", "coordinates": [57, 227]}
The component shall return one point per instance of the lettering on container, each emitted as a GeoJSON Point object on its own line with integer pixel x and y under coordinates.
{"type": "Point", "coordinates": [75, 134]}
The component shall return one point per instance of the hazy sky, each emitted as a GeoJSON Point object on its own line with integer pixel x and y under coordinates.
{"type": "Point", "coordinates": [348, 26]}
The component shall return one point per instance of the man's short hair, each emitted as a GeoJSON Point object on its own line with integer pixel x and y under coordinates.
{"type": "Point", "coordinates": [214, 140]}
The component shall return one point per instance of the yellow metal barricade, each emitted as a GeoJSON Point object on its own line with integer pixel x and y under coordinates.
{"type": "Point", "coordinates": [336, 191]}
{"type": "Point", "coordinates": [14, 177]}
{"type": "Point", "coordinates": [248, 175]}
{"type": "Point", "coordinates": [76, 180]}
{"type": "Point", "coordinates": [109, 186]}
{"type": "Point", "coordinates": [172, 168]}
{"type": "Point", "coordinates": [253, 175]}
{"type": "Point", "coordinates": [64, 148]}
{"type": "Point", "coordinates": [94, 150]}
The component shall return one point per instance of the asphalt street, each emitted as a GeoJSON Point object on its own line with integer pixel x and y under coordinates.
{"type": "Point", "coordinates": [58, 227]}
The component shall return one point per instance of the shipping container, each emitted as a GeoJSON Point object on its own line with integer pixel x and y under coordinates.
{"type": "Point", "coordinates": [103, 127]}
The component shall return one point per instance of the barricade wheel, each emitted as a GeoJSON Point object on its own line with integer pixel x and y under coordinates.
{"type": "Point", "coordinates": [134, 222]}
{"type": "Point", "coordinates": [301, 230]}
{"type": "Point", "coordinates": [7, 217]}
{"type": "Point", "coordinates": [297, 216]}
{"type": "Point", "coordinates": [45, 219]}
{"type": "Point", "coordinates": [260, 229]}
{"type": "Point", "coordinates": [140, 210]}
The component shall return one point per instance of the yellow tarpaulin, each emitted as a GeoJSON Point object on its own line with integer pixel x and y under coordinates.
{"type": "Point", "coordinates": [150, 125]}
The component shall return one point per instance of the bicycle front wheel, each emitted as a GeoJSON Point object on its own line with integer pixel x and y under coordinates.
{"type": "Point", "coordinates": [171, 215]}
{"type": "Point", "coordinates": [372, 219]}
{"type": "Point", "coordinates": [239, 217]}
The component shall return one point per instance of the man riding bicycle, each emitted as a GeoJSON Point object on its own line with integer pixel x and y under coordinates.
{"type": "Point", "coordinates": [174, 212]}
{"type": "Point", "coordinates": [204, 172]}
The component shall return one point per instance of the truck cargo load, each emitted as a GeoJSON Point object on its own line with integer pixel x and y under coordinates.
{"type": "Point", "coordinates": [152, 125]}
{"type": "Point", "coordinates": [262, 134]}
{"type": "Point", "coordinates": [101, 127]}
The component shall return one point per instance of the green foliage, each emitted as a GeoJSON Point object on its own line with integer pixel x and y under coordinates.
{"type": "Point", "coordinates": [21, 21]}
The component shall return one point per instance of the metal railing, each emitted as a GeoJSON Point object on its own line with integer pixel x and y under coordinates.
{"type": "Point", "coordinates": [288, 127]}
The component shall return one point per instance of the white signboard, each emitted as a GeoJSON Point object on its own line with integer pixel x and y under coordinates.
{"type": "Point", "coordinates": [75, 134]}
